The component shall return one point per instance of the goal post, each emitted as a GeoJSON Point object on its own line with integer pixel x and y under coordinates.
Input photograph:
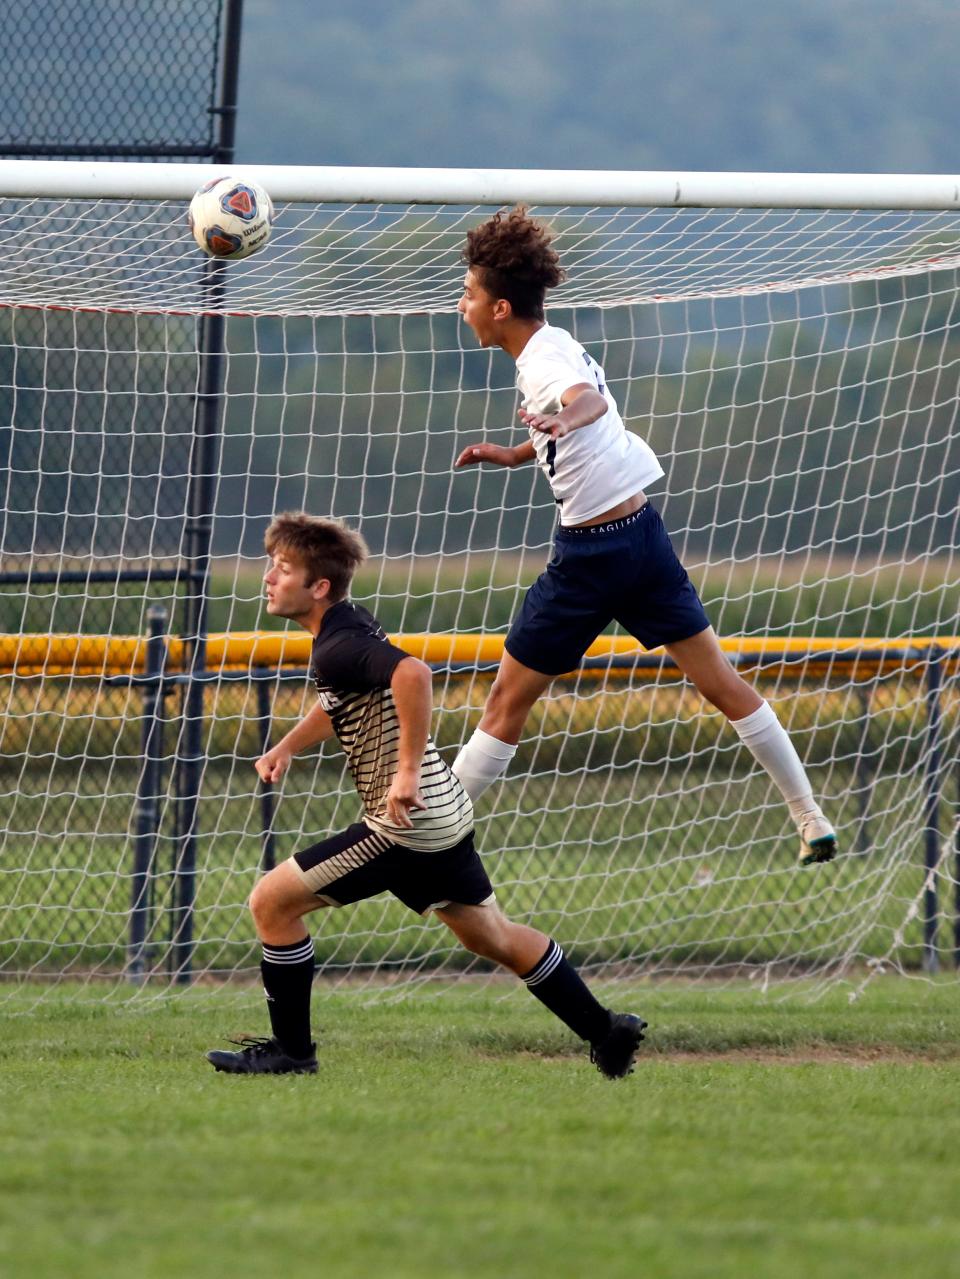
{"type": "Point", "coordinates": [789, 344]}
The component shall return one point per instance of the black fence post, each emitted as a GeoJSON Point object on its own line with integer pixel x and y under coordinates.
{"type": "Point", "coordinates": [226, 109]}
{"type": "Point", "coordinates": [933, 779]}
{"type": "Point", "coordinates": [149, 790]}
{"type": "Point", "coordinates": [268, 859]}
{"type": "Point", "coordinates": [199, 525]}
{"type": "Point", "coordinates": [199, 533]}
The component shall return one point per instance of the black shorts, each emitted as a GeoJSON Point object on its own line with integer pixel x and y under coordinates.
{"type": "Point", "coordinates": [625, 572]}
{"type": "Point", "coordinates": [360, 863]}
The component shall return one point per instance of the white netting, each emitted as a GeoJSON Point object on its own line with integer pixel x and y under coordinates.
{"type": "Point", "coordinates": [796, 371]}
{"type": "Point", "coordinates": [355, 259]}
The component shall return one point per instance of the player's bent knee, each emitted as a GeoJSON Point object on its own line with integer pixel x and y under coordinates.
{"type": "Point", "coordinates": [278, 897]}
{"type": "Point", "coordinates": [261, 903]}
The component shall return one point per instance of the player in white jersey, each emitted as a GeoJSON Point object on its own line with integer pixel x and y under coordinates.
{"type": "Point", "coordinates": [416, 836]}
{"type": "Point", "coordinates": [613, 560]}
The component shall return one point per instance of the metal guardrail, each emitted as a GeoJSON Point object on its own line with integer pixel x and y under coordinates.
{"type": "Point", "coordinates": [107, 656]}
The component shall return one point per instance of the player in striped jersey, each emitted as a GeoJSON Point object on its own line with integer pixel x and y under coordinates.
{"type": "Point", "coordinates": [416, 836]}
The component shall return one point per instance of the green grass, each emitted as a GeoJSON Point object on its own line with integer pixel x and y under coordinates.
{"type": "Point", "coordinates": [466, 1135]}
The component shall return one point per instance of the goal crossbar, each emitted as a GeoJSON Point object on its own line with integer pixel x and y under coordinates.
{"type": "Point", "coordinates": [76, 179]}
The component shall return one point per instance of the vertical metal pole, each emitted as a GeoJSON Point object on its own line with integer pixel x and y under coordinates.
{"type": "Point", "coordinates": [199, 526]}
{"type": "Point", "coordinates": [864, 771]}
{"type": "Point", "coordinates": [933, 787]}
{"type": "Point", "coordinates": [149, 789]}
{"type": "Point", "coordinates": [266, 788]}
{"type": "Point", "coordinates": [956, 877]}
{"type": "Point", "coordinates": [199, 531]}
{"type": "Point", "coordinates": [226, 109]}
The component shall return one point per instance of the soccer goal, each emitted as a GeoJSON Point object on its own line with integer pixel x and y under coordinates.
{"type": "Point", "coordinates": [790, 347]}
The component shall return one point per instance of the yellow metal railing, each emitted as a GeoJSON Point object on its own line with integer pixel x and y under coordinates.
{"type": "Point", "coordinates": [118, 655]}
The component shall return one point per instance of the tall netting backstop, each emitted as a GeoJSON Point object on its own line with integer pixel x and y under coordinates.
{"type": "Point", "coordinates": [790, 347]}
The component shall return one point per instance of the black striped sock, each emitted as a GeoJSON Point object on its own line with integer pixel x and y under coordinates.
{"type": "Point", "coordinates": [287, 977]}
{"type": "Point", "coordinates": [558, 985]}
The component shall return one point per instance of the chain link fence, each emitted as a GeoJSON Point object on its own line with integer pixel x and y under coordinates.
{"type": "Point", "coordinates": [98, 78]}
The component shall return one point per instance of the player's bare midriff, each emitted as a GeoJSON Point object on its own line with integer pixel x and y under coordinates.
{"type": "Point", "coordinates": [618, 512]}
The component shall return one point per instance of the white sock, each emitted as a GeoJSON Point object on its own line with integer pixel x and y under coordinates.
{"type": "Point", "coordinates": [481, 762]}
{"type": "Point", "coordinates": [766, 739]}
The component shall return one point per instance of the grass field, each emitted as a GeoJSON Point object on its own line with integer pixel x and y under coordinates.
{"type": "Point", "coordinates": [466, 1135]}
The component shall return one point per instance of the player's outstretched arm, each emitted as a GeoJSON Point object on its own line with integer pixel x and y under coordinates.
{"type": "Point", "coordinates": [496, 453]}
{"type": "Point", "coordinates": [582, 404]}
{"type": "Point", "coordinates": [412, 686]}
{"type": "Point", "coordinates": [314, 728]}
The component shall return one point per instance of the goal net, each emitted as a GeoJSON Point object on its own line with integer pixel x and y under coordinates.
{"type": "Point", "coordinates": [796, 369]}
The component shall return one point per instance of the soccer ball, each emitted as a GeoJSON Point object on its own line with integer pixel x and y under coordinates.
{"type": "Point", "coordinates": [230, 218]}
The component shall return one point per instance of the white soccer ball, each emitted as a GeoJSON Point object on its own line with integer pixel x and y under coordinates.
{"type": "Point", "coordinates": [230, 218]}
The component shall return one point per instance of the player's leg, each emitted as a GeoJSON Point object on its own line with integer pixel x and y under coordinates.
{"type": "Point", "coordinates": [345, 868]}
{"type": "Point", "coordinates": [487, 754]}
{"type": "Point", "coordinates": [278, 903]}
{"type": "Point", "coordinates": [541, 964]}
{"type": "Point", "coordinates": [454, 883]}
{"type": "Point", "coordinates": [662, 607]}
{"type": "Point", "coordinates": [512, 696]}
{"type": "Point", "coordinates": [704, 663]}
{"type": "Point", "coordinates": [562, 614]}
{"type": "Point", "coordinates": [486, 931]}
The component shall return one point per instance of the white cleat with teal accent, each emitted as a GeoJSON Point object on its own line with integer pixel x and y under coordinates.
{"type": "Point", "coordinates": [818, 840]}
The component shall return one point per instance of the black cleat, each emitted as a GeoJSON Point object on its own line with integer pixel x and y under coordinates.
{"type": "Point", "coordinates": [613, 1055]}
{"type": "Point", "coordinates": [262, 1057]}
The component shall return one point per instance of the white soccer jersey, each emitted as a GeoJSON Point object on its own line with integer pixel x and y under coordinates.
{"type": "Point", "coordinates": [598, 466]}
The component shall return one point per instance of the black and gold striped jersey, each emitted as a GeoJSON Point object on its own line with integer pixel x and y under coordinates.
{"type": "Point", "coordinates": [352, 664]}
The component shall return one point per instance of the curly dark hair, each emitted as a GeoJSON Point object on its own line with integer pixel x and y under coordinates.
{"type": "Point", "coordinates": [512, 256]}
{"type": "Point", "coordinates": [326, 548]}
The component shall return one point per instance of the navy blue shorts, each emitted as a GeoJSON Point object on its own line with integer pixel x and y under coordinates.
{"type": "Point", "coordinates": [360, 862]}
{"type": "Point", "coordinates": [625, 572]}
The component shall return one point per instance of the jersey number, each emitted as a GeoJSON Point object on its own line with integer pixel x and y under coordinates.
{"type": "Point", "coordinates": [595, 370]}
